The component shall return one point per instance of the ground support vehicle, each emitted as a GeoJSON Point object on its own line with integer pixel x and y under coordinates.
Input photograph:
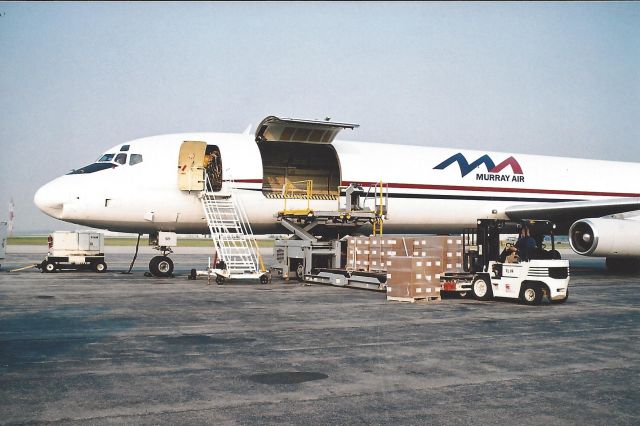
{"type": "Point", "coordinates": [488, 274]}
{"type": "Point", "coordinates": [317, 243]}
{"type": "Point", "coordinates": [74, 250]}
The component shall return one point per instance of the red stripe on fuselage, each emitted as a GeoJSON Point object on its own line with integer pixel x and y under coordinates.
{"type": "Point", "coordinates": [494, 189]}
{"type": "Point", "coordinates": [248, 180]}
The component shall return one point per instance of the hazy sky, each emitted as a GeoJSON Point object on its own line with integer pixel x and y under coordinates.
{"type": "Point", "coordinates": [78, 78]}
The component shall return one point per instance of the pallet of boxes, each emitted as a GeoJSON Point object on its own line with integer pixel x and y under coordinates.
{"type": "Point", "coordinates": [412, 265]}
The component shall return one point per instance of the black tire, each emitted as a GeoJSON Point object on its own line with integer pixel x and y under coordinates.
{"type": "Point", "coordinates": [481, 289]}
{"type": "Point", "coordinates": [264, 279]}
{"type": "Point", "coordinates": [219, 280]}
{"type": "Point", "coordinates": [153, 264]}
{"type": "Point", "coordinates": [193, 274]}
{"type": "Point", "coordinates": [531, 294]}
{"type": "Point", "coordinates": [560, 301]}
{"type": "Point", "coordinates": [161, 266]}
{"type": "Point", "coordinates": [99, 267]}
{"type": "Point", "coordinates": [48, 267]}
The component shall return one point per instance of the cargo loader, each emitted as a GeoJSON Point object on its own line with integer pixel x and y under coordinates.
{"type": "Point", "coordinates": [491, 271]}
{"type": "Point", "coordinates": [316, 249]}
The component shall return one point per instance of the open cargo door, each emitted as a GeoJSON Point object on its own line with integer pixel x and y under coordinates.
{"type": "Point", "coordinates": [299, 150]}
{"type": "Point", "coordinates": [191, 166]}
{"type": "Point", "coordinates": [274, 129]}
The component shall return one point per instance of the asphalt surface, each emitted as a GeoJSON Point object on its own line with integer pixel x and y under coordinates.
{"type": "Point", "coordinates": [87, 348]}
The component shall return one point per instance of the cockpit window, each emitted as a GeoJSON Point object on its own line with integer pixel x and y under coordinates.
{"type": "Point", "coordinates": [92, 168]}
{"type": "Point", "coordinates": [109, 161]}
{"type": "Point", "coordinates": [121, 159]}
{"type": "Point", "coordinates": [124, 148]}
{"type": "Point", "coordinates": [105, 158]}
{"type": "Point", "coordinates": [135, 159]}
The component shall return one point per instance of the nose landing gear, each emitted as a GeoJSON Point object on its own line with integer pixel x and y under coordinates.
{"type": "Point", "coordinates": [162, 266]}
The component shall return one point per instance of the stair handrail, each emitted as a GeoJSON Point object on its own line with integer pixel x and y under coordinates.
{"type": "Point", "coordinates": [245, 225]}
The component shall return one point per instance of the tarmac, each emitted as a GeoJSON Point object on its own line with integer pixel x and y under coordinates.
{"type": "Point", "coordinates": [101, 349]}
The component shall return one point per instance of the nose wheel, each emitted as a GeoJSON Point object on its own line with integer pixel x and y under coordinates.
{"type": "Point", "coordinates": [161, 266]}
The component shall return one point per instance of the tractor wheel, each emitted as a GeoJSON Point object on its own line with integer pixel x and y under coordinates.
{"type": "Point", "coordinates": [481, 290]}
{"type": "Point", "coordinates": [531, 294]}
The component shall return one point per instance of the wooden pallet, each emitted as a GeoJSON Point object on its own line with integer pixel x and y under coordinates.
{"type": "Point", "coordinates": [421, 299]}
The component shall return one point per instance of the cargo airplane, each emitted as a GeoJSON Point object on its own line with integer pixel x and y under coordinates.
{"type": "Point", "coordinates": [152, 184]}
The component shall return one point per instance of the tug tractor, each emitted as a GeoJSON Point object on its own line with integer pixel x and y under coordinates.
{"type": "Point", "coordinates": [491, 272]}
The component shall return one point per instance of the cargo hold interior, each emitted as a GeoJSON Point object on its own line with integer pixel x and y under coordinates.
{"type": "Point", "coordinates": [295, 162]}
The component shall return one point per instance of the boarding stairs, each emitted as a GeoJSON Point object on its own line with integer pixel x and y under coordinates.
{"type": "Point", "coordinates": [231, 233]}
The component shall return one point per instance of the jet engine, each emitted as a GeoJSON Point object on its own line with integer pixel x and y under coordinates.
{"type": "Point", "coordinates": [605, 237]}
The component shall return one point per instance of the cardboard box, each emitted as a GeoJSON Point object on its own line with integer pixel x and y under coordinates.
{"type": "Point", "coordinates": [412, 291]}
{"type": "Point", "coordinates": [399, 270]}
{"type": "Point", "coordinates": [377, 253]}
{"type": "Point", "coordinates": [394, 244]}
{"type": "Point", "coordinates": [409, 269]}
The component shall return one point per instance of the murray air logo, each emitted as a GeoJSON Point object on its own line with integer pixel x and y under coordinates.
{"type": "Point", "coordinates": [493, 169]}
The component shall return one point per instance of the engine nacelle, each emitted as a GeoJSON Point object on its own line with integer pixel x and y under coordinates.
{"type": "Point", "coordinates": [605, 237]}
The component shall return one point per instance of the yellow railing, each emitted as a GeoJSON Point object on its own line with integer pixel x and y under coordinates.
{"type": "Point", "coordinates": [293, 190]}
{"type": "Point", "coordinates": [377, 223]}
{"type": "Point", "coordinates": [379, 210]}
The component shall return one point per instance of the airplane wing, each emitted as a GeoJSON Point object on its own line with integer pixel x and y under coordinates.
{"type": "Point", "coordinates": [566, 212]}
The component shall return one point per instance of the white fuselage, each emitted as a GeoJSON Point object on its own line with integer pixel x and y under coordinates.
{"type": "Point", "coordinates": [145, 197]}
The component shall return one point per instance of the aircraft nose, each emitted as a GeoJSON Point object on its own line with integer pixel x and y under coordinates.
{"type": "Point", "coordinates": [49, 200]}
